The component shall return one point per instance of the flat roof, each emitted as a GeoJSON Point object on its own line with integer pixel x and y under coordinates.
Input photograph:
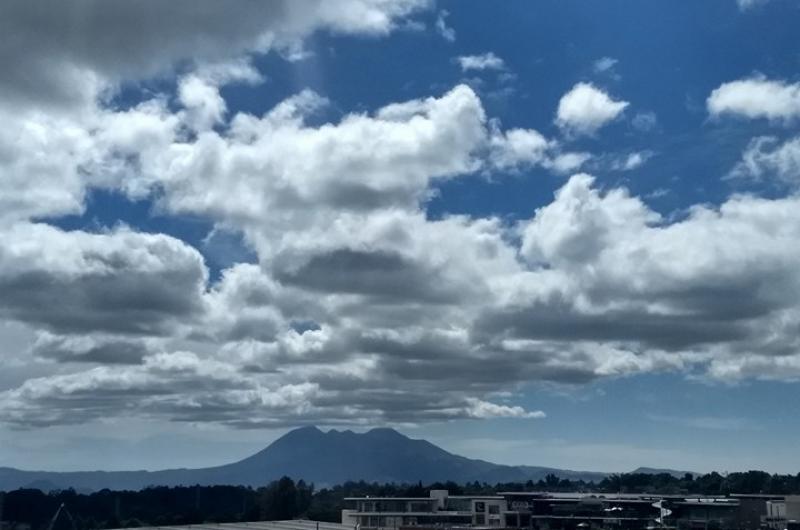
{"type": "Point", "coordinates": [478, 497]}
{"type": "Point", "coordinates": [756, 496]}
{"type": "Point", "coordinates": [436, 513]}
{"type": "Point", "coordinates": [489, 497]}
{"type": "Point", "coordinates": [430, 499]}
{"type": "Point", "coordinates": [293, 524]}
{"type": "Point", "coordinates": [550, 495]}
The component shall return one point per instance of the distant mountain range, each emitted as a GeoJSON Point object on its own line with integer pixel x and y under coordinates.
{"type": "Point", "coordinates": [324, 458]}
{"type": "Point", "coordinates": [659, 471]}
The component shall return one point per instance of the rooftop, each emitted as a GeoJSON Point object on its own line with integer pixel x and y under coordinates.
{"type": "Point", "coordinates": [295, 524]}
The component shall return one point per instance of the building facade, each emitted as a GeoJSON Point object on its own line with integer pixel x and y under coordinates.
{"type": "Point", "coordinates": [439, 510]}
{"type": "Point", "coordinates": [568, 511]}
{"type": "Point", "coordinates": [572, 511]}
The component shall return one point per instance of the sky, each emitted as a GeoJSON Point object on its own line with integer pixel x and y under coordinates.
{"type": "Point", "coordinates": [558, 233]}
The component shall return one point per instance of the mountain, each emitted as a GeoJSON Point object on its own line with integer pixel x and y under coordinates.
{"type": "Point", "coordinates": [324, 458]}
{"type": "Point", "coordinates": [659, 471]}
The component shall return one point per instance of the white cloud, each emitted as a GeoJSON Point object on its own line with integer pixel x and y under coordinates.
{"type": "Point", "coordinates": [277, 164]}
{"type": "Point", "coordinates": [404, 310]}
{"type": "Point", "coordinates": [360, 307]}
{"type": "Point", "coordinates": [518, 149]}
{"type": "Point", "coordinates": [199, 91]}
{"type": "Point", "coordinates": [621, 161]}
{"type": "Point", "coordinates": [447, 33]}
{"type": "Point", "coordinates": [486, 61]}
{"type": "Point", "coordinates": [634, 160]}
{"type": "Point", "coordinates": [609, 261]}
{"type": "Point", "coordinates": [604, 64]}
{"type": "Point", "coordinates": [644, 121]}
{"type": "Point", "coordinates": [93, 348]}
{"type": "Point", "coordinates": [766, 157]}
{"type": "Point", "coordinates": [744, 5]}
{"type": "Point", "coordinates": [756, 97]}
{"type": "Point", "coordinates": [175, 385]}
{"type": "Point", "coordinates": [585, 109]}
{"type": "Point", "coordinates": [122, 281]}
{"type": "Point", "coordinates": [484, 409]}
{"type": "Point", "coordinates": [566, 163]}
{"type": "Point", "coordinates": [715, 423]}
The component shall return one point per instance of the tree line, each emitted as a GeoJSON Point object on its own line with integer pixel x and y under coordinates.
{"type": "Point", "coordinates": [287, 499]}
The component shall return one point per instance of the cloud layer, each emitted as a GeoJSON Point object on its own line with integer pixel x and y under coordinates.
{"type": "Point", "coordinates": [359, 307]}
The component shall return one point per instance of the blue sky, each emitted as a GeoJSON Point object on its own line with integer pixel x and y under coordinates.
{"type": "Point", "coordinates": [552, 233]}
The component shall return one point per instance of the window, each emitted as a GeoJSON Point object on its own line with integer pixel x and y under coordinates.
{"type": "Point", "coordinates": [494, 509]}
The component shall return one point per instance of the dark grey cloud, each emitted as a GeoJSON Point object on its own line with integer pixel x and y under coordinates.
{"type": "Point", "coordinates": [122, 282]}
{"type": "Point", "coordinates": [91, 349]}
{"type": "Point", "coordinates": [561, 322]}
{"type": "Point", "coordinates": [382, 275]}
{"type": "Point", "coordinates": [54, 51]}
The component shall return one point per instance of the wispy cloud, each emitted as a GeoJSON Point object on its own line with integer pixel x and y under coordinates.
{"type": "Point", "coordinates": [714, 423]}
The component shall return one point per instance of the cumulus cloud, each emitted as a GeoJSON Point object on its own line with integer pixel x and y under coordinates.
{"type": "Point", "coordinates": [485, 409]}
{"type": "Point", "coordinates": [92, 348]}
{"type": "Point", "coordinates": [616, 273]}
{"type": "Point", "coordinates": [199, 93]}
{"type": "Point", "coordinates": [519, 146]}
{"type": "Point", "coordinates": [518, 149]}
{"type": "Point", "coordinates": [360, 164]}
{"type": "Point", "coordinates": [766, 157]}
{"type": "Point", "coordinates": [122, 281]}
{"type": "Point", "coordinates": [183, 386]}
{"type": "Point", "coordinates": [486, 61]}
{"type": "Point", "coordinates": [566, 163]}
{"type": "Point", "coordinates": [600, 286]}
{"type": "Point", "coordinates": [68, 53]}
{"type": "Point", "coordinates": [173, 384]}
{"type": "Point", "coordinates": [756, 97]}
{"type": "Point", "coordinates": [586, 108]}
{"type": "Point", "coordinates": [359, 307]}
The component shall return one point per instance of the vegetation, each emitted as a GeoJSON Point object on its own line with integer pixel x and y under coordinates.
{"type": "Point", "coordinates": [286, 499]}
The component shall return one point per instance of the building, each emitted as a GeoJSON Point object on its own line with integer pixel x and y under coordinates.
{"type": "Point", "coordinates": [775, 517]}
{"type": "Point", "coordinates": [761, 510]}
{"type": "Point", "coordinates": [792, 511]}
{"type": "Point", "coordinates": [439, 510]}
{"type": "Point", "coordinates": [550, 511]}
{"type": "Point", "coordinates": [570, 511]}
{"type": "Point", "coordinates": [293, 524]}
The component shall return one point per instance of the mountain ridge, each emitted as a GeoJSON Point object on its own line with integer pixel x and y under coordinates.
{"type": "Point", "coordinates": [308, 453]}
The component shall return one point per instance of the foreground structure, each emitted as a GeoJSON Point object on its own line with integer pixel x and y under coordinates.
{"type": "Point", "coordinates": [573, 511]}
{"type": "Point", "coordinates": [294, 524]}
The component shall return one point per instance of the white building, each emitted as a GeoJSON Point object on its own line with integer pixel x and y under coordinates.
{"type": "Point", "coordinates": [439, 510]}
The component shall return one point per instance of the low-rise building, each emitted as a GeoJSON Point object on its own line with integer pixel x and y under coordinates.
{"type": "Point", "coordinates": [568, 511]}
{"type": "Point", "coordinates": [547, 511]}
{"type": "Point", "coordinates": [439, 510]}
{"type": "Point", "coordinates": [775, 517]}
{"type": "Point", "coordinates": [792, 511]}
